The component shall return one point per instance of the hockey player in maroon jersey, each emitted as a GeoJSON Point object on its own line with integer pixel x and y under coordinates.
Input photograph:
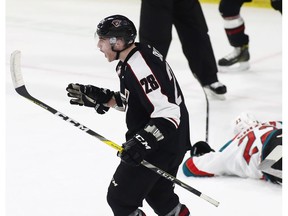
{"type": "Point", "coordinates": [156, 117]}
{"type": "Point", "coordinates": [247, 155]}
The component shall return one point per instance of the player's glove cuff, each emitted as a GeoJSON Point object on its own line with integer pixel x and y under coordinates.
{"type": "Point", "coordinates": [143, 143]}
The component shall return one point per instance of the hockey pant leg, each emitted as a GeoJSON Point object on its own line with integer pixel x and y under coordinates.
{"type": "Point", "coordinates": [130, 185]}
{"type": "Point", "coordinates": [162, 197]}
{"type": "Point", "coordinates": [233, 22]}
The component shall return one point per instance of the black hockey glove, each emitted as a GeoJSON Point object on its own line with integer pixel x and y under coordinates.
{"type": "Point", "coordinates": [143, 143]}
{"type": "Point", "coordinates": [90, 96]}
{"type": "Point", "coordinates": [200, 148]}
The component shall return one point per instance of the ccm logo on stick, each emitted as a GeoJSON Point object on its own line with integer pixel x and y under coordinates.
{"type": "Point", "coordinates": [77, 124]}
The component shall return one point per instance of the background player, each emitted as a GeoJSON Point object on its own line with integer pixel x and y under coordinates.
{"type": "Point", "coordinates": [242, 155]}
{"type": "Point", "coordinates": [238, 59]}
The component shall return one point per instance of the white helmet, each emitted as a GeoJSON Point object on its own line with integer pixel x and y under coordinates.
{"type": "Point", "coordinates": [244, 121]}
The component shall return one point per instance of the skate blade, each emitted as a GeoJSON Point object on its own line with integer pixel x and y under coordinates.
{"type": "Point", "coordinates": [239, 66]}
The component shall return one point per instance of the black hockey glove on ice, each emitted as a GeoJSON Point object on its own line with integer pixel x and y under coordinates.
{"type": "Point", "coordinates": [143, 143]}
{"type": "Point", "coordinates": [90, 96]}
{"type": "Point", "coordinates": [200, 148]}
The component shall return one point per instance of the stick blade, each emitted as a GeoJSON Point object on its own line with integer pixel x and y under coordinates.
{"type": "Point", "coordinates": [15, 69]}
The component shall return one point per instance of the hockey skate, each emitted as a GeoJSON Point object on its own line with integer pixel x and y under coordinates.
{"type": "Point", "coordinates": [216, 90]}
{"type": "Point", "coordinates": [238, 60]}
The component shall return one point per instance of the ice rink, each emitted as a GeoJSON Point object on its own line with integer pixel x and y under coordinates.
{"type": "Point", "coordinates": [54, 169]}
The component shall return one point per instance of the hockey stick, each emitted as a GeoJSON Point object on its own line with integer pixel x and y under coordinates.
{"type": "Point", "coordinates": [19, 85]}
{"type": "Point", "coordinates": [207, 110]}
{"type": "Point", "coordinates": [207, 116]}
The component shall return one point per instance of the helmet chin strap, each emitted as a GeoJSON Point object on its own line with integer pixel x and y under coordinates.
{"type": "Point", "coordinates": [119, 51]}
{"type": "Point", "coordinates": [113, 42]}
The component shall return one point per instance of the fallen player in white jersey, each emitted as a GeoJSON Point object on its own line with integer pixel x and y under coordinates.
{"type": "Point", "coordinates": [254, 152]}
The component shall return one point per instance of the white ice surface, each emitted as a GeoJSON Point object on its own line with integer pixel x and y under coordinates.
{"type": "Point", "coordinates": [52, 168]}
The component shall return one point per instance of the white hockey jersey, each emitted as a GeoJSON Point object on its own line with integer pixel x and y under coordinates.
{"type": "Point", "coordinates": [240, 156]}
